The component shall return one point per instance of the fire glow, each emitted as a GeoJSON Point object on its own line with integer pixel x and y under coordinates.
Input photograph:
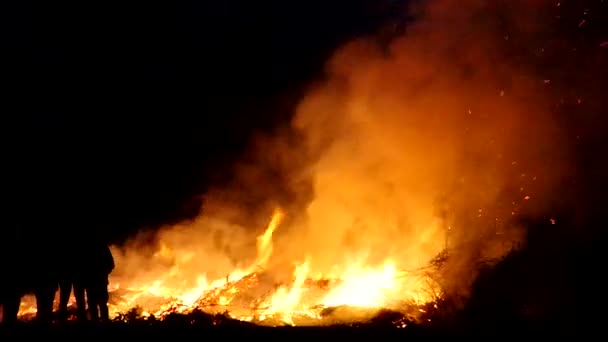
{"type": "Point", "coordinates": [304, 297]}
{"type": "Point", "coordinates": [432, 143]}
{"type": "Point", "coordinates": [300, 301]}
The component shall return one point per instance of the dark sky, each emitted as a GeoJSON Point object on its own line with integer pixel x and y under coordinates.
{"type": "Point", "coordinates": [123, 113]}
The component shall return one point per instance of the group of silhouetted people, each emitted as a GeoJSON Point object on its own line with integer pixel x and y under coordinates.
{"type": "Point", "coordinates": [44, 265]}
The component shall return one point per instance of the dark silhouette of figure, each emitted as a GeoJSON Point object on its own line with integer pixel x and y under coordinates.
{"type": "Point", "coordinates": [11, 288]}
{"type": "Point", "coordinates": [71, 278]}
{"type": "Point", "coordinates": [100, 264]}
{"type": "Point", "coordinates": [45, 290]}
{"type": "Point", "coordinates": [45, 275]}
{"type": "Point", "coordinates": [9, 294]}
{"type": "Point", "coordinates": [10, 306]}
{"type": "Point", "coordinates": [32, 271]}
{"type": "Point", "coordinates": [67, 283]}
{"type": "Point", "coordinates": [16, 277]}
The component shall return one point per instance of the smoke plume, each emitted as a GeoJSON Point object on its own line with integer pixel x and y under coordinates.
{"type": "Point", "coordinates": [440, 138]}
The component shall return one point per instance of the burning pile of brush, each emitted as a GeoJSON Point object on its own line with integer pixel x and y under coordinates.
{"type": "Point", "coordinates": [250, 299]}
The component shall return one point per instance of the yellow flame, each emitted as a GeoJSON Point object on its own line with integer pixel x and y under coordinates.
{"type": "Point", "coordinates": [264, 241]}
{"type": "Point", "coordinates": [358, 285]}
{"type": "Point", "coordinates": [364, 287]}
{"type": "Point", "coordinates": [188, 296]}
{"type": "Point", "coordinates": [287, 298]}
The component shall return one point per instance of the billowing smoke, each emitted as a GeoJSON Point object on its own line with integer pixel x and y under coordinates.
{"type": "Point", "coordinates": [441, 138]}
{"type": "Point", "coordinates": [438, 139]}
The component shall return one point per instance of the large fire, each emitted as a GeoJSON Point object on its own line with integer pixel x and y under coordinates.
{"type": "Point", "coordinates": [249, 294]}
{"type": "Point", "coordinates": [436, 141]}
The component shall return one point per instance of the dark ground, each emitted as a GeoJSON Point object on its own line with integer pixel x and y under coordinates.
{"type": "Point", "coordinates": [497, 322]}
{"type": "Point", "coordinates": [240, 332]}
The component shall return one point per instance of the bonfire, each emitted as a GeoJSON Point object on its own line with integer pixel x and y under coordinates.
{"type": "Point", "coordinates": [254, 295]}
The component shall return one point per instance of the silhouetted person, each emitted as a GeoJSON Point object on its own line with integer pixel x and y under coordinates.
{"type": "Point", "coordinates": [45, 295]}
{"type": "Point", "coordinates": [10, 291]}
{"type": "Point", "coordinates": [30, 271]}
{"type": "Point", "coordinates": [66, 285]}
{"type": "Point", "coordinates": [15, 274]}
{"type": "Point", "coordinates": [45, 275]}
{"type": "Point", "coordinates": [10, 308]}
{"type": "Point", "coordinates": [100, 265]}
{"type": "Point", "coordinates": [71, 277]}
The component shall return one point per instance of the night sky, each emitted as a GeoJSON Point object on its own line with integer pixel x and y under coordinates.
{"type": "Point", "coordinates": [122, 114]}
